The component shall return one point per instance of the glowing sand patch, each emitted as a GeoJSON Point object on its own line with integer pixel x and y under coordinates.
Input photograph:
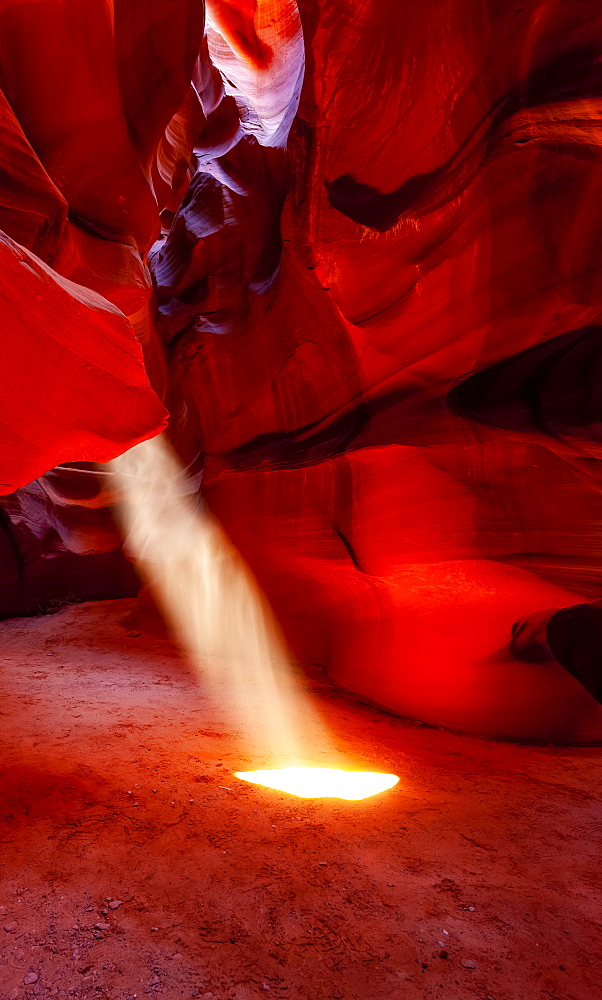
{"type": "Point", "coordinates": [322, 782]}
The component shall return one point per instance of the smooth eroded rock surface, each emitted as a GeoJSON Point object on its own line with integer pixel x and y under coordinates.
{"type": "Point", "coordinates": [375, 312]}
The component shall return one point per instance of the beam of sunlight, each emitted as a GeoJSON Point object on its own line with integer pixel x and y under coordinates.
{"type": "Point", "coordinates": [322, 782]}
{"type": "Point", "coordinates": [210, 599]}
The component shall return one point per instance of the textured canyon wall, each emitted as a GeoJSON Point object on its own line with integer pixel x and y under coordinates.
{"type": "Point", "coordinates": [87, 92]}
{"type": "Point", "coordinates": [378, 300]}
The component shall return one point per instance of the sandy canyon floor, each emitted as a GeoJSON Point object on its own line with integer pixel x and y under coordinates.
{"type": "Point", "coordinates": [134, 863]}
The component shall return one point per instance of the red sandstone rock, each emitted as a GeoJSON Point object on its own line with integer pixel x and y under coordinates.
{"type": "Point", "coordinates": [73, 379]}
{"type": "Point", "coordinates": [441, 219]}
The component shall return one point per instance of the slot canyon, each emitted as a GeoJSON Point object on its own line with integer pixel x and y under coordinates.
{"type": "Point", "coordinates": [301, 421]}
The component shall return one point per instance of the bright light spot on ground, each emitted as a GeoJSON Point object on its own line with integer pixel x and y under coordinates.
{"type": "Point", "coordinates": [322, 782]}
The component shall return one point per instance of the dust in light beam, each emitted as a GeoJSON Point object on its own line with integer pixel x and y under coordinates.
{"type": "Point", "coordinates": [322, 782]}
{"type": "Point", "coordinates": [215, 608]}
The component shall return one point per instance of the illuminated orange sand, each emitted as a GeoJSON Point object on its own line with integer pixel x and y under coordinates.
{"type": "Point", "coordinates": [322, 782]}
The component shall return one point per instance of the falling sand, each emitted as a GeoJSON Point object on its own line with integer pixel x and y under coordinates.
{"type": "Point", "coordinates": [211, 601]}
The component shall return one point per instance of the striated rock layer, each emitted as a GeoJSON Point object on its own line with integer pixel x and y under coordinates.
{"type": "Point", "coordinates": [379, 309]}
{"type": "Point", "coordinates": [87, 92]}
